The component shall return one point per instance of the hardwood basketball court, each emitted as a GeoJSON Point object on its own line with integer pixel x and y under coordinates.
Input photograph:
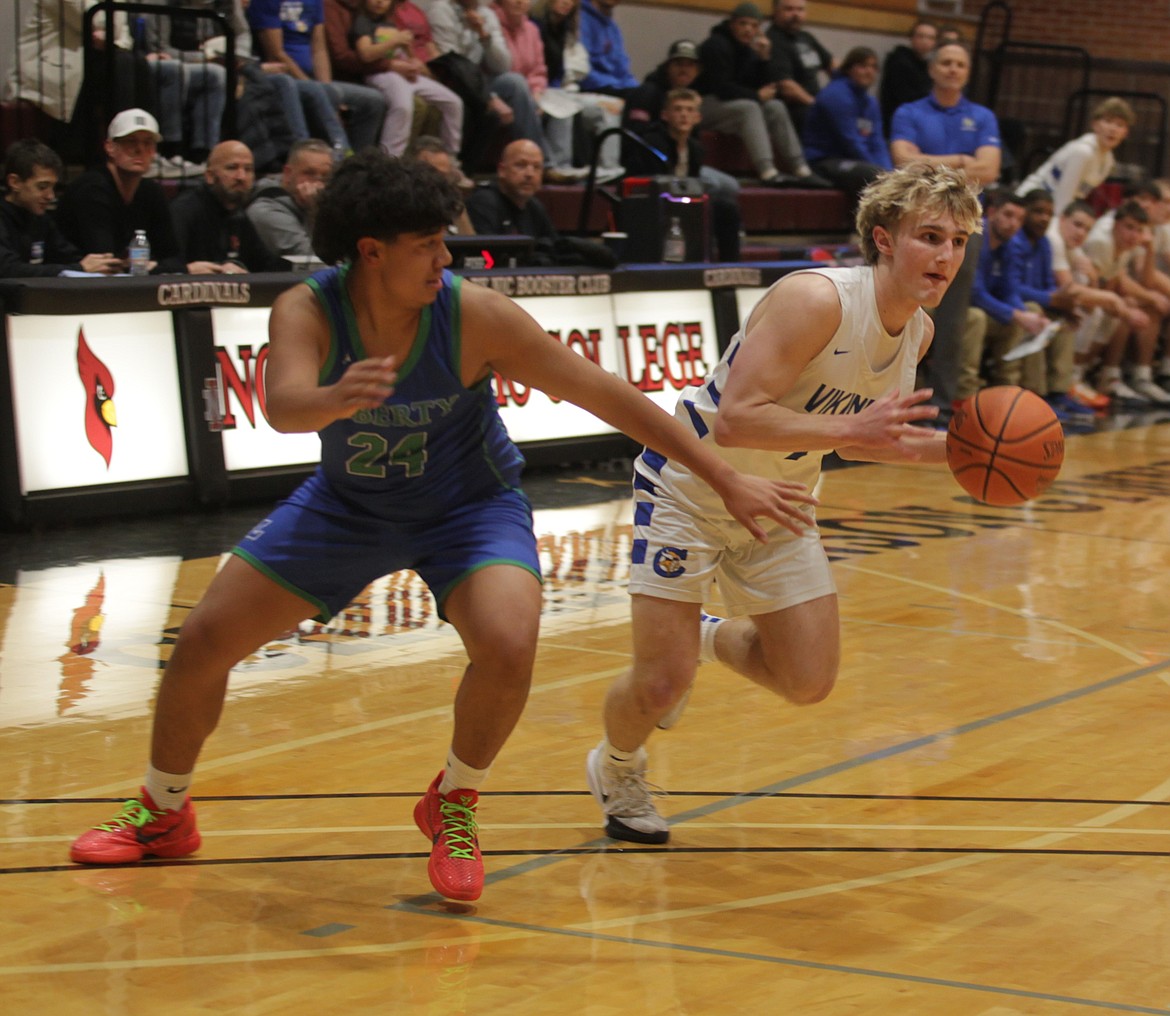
{"type": "Point", "coordinates": [975, 822]}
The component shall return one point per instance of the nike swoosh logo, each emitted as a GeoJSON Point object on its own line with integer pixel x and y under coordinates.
{"type": "Point", "coordinates": [840, 352]}
{"type": "Point", "coordinates": [175, 790]}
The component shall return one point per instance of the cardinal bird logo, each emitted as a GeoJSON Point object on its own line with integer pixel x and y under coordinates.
{"type": "Point", "coordinates": [98, 383]}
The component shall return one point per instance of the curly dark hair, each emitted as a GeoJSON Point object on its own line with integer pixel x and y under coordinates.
{"type": "Point", "coordinates": [374, 194]}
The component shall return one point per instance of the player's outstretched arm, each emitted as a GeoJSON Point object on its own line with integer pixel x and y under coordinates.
{"type": "Point", "coordinates": [499, 335]}
{"type": "Point", "coordinates": [298, 345]}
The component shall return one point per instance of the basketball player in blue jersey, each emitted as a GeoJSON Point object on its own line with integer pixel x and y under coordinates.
{"type": "Point", "coordinates": [390, 358]}
{"type": "Point", "coordinates": [838, 376]}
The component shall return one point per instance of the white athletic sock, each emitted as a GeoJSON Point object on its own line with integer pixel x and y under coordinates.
{"type": "Point", "coordinates": [167, 790]}
{"type": "Point", "coordinates": [616, 756]}
{"type": "Point", "coordinates": [460, 776]}
{"type": "Point", "coordinates": [1145, 373]}
{"type": "Point", "coordinates": [707, 626]}
{"type": "Point", "coordinates": [1110, 374]}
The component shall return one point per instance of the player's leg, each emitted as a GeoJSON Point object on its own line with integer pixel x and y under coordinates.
{"type": "Point", "coordinates": [241, 611]}
{"type": "Point", "coordinates": [786, 632]}
{"type": "Point", "coordinates": [501, 648]}
{"type": "Point", "coordinates": [794, 652]}
{"type": "Point", "coordinates": [666, 653]}
{"type": "Point", "coordinates": [482, 565]}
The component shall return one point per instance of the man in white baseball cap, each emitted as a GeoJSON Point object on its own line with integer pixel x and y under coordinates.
{"type": "Point", "coordinates": [131, 121]}
{"type": "Point", "coordinates": [103, 208]}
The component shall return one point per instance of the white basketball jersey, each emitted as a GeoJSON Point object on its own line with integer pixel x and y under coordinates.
{"type": "Point", "coordinates": [859, 364]}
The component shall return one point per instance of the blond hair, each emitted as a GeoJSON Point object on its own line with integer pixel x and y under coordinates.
{"type": "Point", "coordinates": [914, 191]}
{"type": "Point", "coordinates": [1114, 107]}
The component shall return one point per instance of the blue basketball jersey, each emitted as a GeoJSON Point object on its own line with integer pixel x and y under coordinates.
{"type": "Point", "coordinates": [433, 444]}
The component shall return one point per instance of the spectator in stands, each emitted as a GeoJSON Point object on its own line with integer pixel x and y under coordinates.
{"type": "Point", "coordinates": [674, 136]}
{"type": "Point", "coordinates": [508, 205]}
{"type": "Point", "coordinates": [471, 29]}
{"type": "Point", "coordinates": [209, 219]}
{"type": "Point", "coordinates": [1103, 312]}
{"type": "Point", "coordinates": [366, 45]}
{"type": "Point", "coordinates": [1075, 168]}
{"type": "Point", "coordinates": [798, 59]}
{"type": "Point", "coordinates": [31, 245]}
{"type": "Point", "coordinates": [293, 35]}
{"type": "Point", "coordinates": [948, 34]}
{"type": "Point", "coordinates": [431, 150]}
{"type": "Point", "coordinates": [566, 63]}
{"type": "Point", "coordinates": [192, 88]}
{"type": "Point", "coordinates": [906, 71]}
{"type": "Point", "coordinates": [998, 319]}
{"type": "Point", "coordinates": [49, 72]}
{"type": "Point", "coordinates": [1048, 372]}
{"type": "Point", "coordinates": [740, 98]}
{"type": "Point", "coordinates": [609, 62]}
{"type": "Point", "coordinates": [643, 107]}
{"type": "Point", "coordinates": [948, 129]}
{"type": "Point", "coordinates": [283, 212]}
{"type": "Point", "coordinates": [843, 139]}
{"type": "Point", "coordinates": [1124, 259]}
{"type": "Point", "coordinates": [103, 208]}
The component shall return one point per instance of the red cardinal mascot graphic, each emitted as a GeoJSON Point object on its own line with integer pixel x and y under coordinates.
{"type": "Point", "coordinates": [98, 383]}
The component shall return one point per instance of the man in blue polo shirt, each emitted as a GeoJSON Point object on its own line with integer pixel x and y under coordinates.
{"type": "Point", "coordinates": [949, 129]}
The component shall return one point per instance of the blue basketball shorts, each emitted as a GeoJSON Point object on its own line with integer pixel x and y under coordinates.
{"type": "Point", "coordinates": [316, 546]}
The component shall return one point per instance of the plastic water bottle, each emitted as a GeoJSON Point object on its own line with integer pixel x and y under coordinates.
{"type": "Point", "coordinates": [674, 249]}
{"type": "Point", "coordinates": [140, 254]}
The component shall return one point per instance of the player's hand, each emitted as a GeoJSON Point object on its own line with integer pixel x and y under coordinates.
{"type": "Point", "coordinates": [888, 421]}
{"type": "Point", "coordinates": [749, 498]}
{"type": "Point", "coordinates": [364, 385]}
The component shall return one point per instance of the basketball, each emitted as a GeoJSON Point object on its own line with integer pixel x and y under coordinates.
{"type": "Point", "coordinates": [1005, 445]}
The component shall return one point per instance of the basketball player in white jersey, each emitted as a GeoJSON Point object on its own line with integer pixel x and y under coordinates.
{"type": "Point", "coordinates": [826, 362]}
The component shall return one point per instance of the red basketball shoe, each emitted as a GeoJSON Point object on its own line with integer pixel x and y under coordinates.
{"type": "Point", "coordinates": [141, 829]}
{"type": "Point", "coordinates": [448, 821]}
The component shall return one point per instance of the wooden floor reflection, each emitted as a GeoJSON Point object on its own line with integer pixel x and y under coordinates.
{"type": "Point", "coordinates": [976, 822]}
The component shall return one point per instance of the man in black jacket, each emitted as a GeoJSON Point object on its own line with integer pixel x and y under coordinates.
{"type": "Point", "coordinates": [906, 72]}
{"type": "Point", "coordinates": [210, 221]}
{"type": "Point", "coordinates": [103, 208]}
{"type": "Point", "coordinates": [797, 59]}
{"type": "Point", "coordinates": [740, 98]}
{"type": "Point", "coordinates": [31, 245]}
{"type": "Point", "coordinates": [674, 136]}
{"type": "Point", "coordinates": [509, 205]}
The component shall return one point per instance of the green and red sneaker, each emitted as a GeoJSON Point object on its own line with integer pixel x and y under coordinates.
{"type": "Point", "coordinates": [141, 829]}
{"type": "Point", "coordinates": [448, 821]}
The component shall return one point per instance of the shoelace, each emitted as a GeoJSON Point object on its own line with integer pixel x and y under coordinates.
{"type": "Point", "coordinates": [133, 813]}
{"type": "Point", "coordinates": [459, 829]}
{"type": "Point", "coordinates": [632, 793]}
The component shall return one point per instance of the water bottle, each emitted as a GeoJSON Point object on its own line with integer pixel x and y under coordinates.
{"type": "Point", "coordinates": [674, 249]}
{"type": "Point", "coordinates": [140, 254]}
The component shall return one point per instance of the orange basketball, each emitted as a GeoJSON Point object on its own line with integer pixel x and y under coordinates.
{"type": "Point", "coordinates": [1004, 445]}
